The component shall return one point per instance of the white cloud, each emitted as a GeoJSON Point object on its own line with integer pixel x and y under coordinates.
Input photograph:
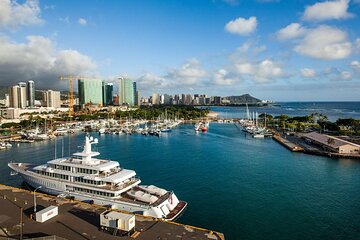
{"type": "Point", "coordinates": [73, 62]}
{"type": "Point", "coordinates": [189, 73]}
{"type": "Point", "coordinates": [82, 21]}
{"type": "Point", "coordinates": [293, 30]}
{"type": "Point", "coordinates": [245, 68]}
{"type": "Point", "coordinates": [327, 10]}
{"type": "Point", "coordinates": [242, 26]}
{"type": "Point", "coordinates": [151, 81]}
{"type": "Point", "coordinates": [357, 43]}
{"type": "Point", "coordinates": [248, 50]}
{"type": "Point", "coordinates": [65, 19]}
{"type": "Point", "coordinates": [345, 75]}
{"type": "Point", "coordinates": [13, 15]}
{"type": "Point", "coordinates": [37, 59]}
{"type": "Point", "coordinates": [250, 47]}
{"type": "Point", "coordinates": [326, 43]}
{"type": "Point", "coordinates": [308, 72]}
{"type": "Point", "coordinates": [51, 7]}
{"type": "Point", "coordinates": [355, 65]}
{"type": "Point", "coordinates": [334, 74]}
{"type": "Point", "coordinates": [261, 72]}
{"type": "Point", "coordinates": [223, 77]}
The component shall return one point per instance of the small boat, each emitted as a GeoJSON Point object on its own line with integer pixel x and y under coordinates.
{"type": "Point", "coordinates": [258, 135]}
{"type": "Point", "coordinates": [4, 145]}
{"type": "Point", "coordinates": [202, 126]}
{"type": "Point", "coordinates": [102, 130]}
{"type": "Point", "coordinates": [165, 130]}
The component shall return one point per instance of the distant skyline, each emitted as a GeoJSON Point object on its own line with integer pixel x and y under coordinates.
{"type": "Point", "coordinates": [298, 50]}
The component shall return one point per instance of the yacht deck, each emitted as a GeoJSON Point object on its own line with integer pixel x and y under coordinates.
{"type": "Point", "coordinates": [95, 163]}
{"type": "Point", "coordinates": [28, 167]}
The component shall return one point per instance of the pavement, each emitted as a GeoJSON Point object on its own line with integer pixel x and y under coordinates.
{"type": "Point", "coordinates": [77, 220]}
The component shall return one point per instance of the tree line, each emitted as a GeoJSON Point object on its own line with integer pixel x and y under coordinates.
{"type": "Point", "coordinates": [314, 121]}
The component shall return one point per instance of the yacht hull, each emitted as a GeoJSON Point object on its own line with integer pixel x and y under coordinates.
{"type": "Point", "coordinates": [58, 187]}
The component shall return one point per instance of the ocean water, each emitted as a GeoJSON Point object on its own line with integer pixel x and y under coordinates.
{"type": "Point", "coordinates": [246, 188]}
{"type": "Point", "coordinates": [333, 110]}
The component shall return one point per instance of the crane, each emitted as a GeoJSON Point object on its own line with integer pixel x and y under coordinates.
{"type": "Point", "coordinates": [71, 93]}
{"type": "Point", "coordinates": [71, 78]}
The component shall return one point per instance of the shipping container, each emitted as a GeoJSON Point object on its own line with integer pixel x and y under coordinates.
{"type": "Point", "coordinates": [46, 214]}
{"type": "Point", "coordinates": [117, 220]}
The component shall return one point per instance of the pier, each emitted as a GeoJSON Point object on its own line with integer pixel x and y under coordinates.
{"type": "Point", "coordinates": [78, 220]}
{"type": "Point", "coordinates": [286, 143]}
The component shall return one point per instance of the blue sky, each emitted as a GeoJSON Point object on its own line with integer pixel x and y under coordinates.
{"type": "Point", "coordinates": [279, 50]}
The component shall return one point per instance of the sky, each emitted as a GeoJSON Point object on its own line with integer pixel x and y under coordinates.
{"type": "Point", "coordinates": [280, 50]}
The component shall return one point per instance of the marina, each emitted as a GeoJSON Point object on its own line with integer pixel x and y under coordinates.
{"type": "Point", "coordinates": [180, 120]}
{"type": "Point", "coordinates": [258, 180]}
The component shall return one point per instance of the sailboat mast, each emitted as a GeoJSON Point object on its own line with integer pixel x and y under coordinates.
{"type": "Point", "coordinates": [265, 120]}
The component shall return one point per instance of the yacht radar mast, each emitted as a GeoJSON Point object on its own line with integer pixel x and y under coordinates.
{"type": "Point", "coordinates": [87, 154]}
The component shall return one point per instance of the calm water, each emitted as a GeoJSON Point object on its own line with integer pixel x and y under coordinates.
{"type": "Point", "coordinates": [246, 188]}
{"type": "Point", "coordinates": [333, 110]}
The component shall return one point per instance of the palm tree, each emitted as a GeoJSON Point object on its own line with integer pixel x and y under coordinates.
{"type": "Point", "coordinates": [330, 141]}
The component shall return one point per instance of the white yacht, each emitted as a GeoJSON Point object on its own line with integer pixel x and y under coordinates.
{"type": "Point", "coordinates": [103, 182]}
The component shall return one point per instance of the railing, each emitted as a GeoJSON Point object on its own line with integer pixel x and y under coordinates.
{"type": "Point", "coordinates": [125, 185]}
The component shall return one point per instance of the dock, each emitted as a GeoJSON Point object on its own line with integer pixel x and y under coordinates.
{"type": "Point", "coordinates": [79, 220]}
{"type": "Point", "coordinates": [289, 145]}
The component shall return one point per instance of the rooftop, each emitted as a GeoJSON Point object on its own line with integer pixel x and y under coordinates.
{"type": "Point", "coordinates": [330, 141]}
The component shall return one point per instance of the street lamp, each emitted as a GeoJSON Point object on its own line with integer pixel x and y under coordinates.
{"type": "Point", "coordinates": [35, 198]}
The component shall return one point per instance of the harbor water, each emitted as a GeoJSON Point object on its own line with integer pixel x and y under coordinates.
{"type": "Point", "coordinates": [246, 188]}
{"type": "Point", "coordinates": [333, 110]}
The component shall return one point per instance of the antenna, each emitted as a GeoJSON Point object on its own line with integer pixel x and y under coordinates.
{"type": "Point", "coordinates": [55, 149]}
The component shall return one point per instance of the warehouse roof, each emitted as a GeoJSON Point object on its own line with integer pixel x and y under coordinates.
{"type": "Point", "coordinates": [327, 140]}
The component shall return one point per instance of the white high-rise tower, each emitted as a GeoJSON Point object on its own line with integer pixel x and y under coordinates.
{"type": "Point", "coordinates": [31, 93]}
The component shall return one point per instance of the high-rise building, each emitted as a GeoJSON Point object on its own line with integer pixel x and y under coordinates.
{"type": "Point", "coordinates": [51, 98]}
{"type": "Point", "coordinates": [90, 91]}
{"type": "Point", "coordinates": [155, 100]}
{"type": "Point", "coordinates": [183, 98]}
{"type": "Point", "coordinates": [22, 95]}
{"type": "Point", "coordinates": [103, 92]}
{"type": "Point", "coordinates": [138, 100]}
{"type": "Point", "coordinates": [188, 99]}
{"type": "Point", "coordinates": [126, 91]}
{"type": "Point", "coordinates": [7, 100]}
{"type": "Point", "coordinates": [202, 101]}
{"type": "Point", "coordinates": [14, 96]}
{"type": "Point", "coordinates": [161, 101]}
{"type": "Point", "coordinates": [217, 100]}
{"type": "Point", "coordinates": [167, 99]}
{"type": "Point", "coordinates": [31, 94]}
{"type": "Point", "coordinates": [207, 100]}
{"type": "Point", "coordinates": [176, 99]}
{"type": "Point", "coordinates": [109, 90]}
